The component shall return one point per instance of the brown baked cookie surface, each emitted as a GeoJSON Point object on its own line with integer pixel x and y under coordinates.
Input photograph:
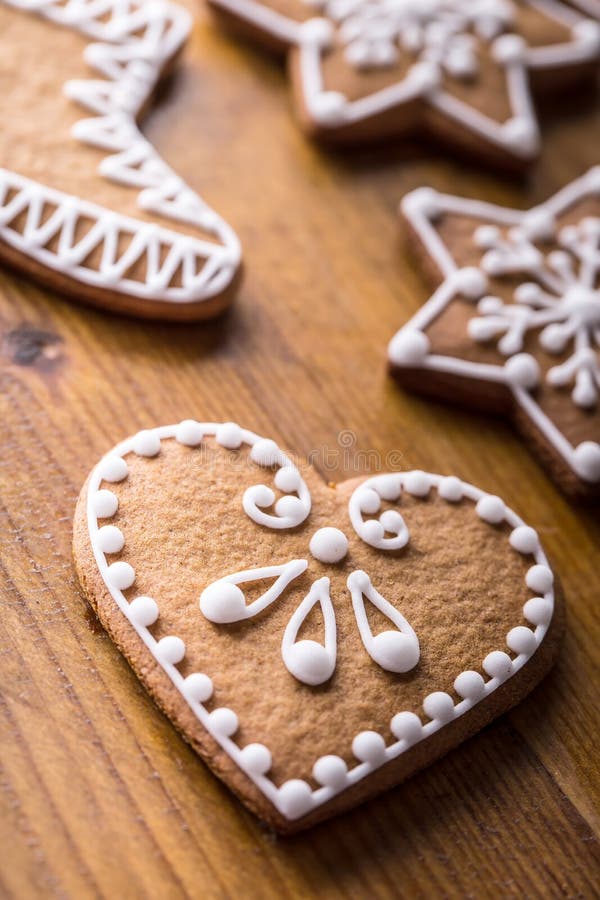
{"type": "Point", "coordinates": [463, 73]}
{"type": "Point", "coordinates": [87, 206]}
{"type": "Point", "coordinates": [315, 644]}
{"type": "Point", "coordinates": [514, 327]}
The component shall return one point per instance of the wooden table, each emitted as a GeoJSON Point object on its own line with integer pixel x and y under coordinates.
{"type": "Point", "coordinates": [100, 797]}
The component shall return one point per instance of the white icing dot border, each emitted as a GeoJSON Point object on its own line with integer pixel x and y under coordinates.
{"type": "Point", "coordinates": [132, 43]}
{"type": "Point", "coordinates": [518, 135]}
{"type": "Point", "coordinates": [295, 798]}
{"type": "Point", "coordinates": [410, 346]}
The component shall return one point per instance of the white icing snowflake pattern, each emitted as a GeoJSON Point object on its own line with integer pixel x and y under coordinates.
{"type": "Point", "coordinates": [375, 33]}
{"type": "Point", "coordinates": [562, 301]}
{"type": "Point", "coordinates": [550, 266]}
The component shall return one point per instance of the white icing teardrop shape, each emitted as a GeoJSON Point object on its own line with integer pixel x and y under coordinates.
{"type": "Point", "coordinates": [395, 651]}
{"type": "Point", "coordinates": [223, 601]}
{"type": "Point", "coordinates": [308, 661]}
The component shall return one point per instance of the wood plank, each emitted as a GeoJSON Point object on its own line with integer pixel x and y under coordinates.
{"type": "Point", "coordinates": [100, 797]}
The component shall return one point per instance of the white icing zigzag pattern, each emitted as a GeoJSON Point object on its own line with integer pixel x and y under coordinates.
{"type": "Point", "coordinates": [296, 797]}
{"type": "Point", "coordinates": [562, 302]}
{"type": "Point", "coordinates": [137, 40]}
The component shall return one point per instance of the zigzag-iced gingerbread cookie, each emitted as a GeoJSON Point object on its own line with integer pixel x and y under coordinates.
{"type": "Point", "coordinates": [514, 327]}
{"type": "Point", "coordinates": [463, 72]}
{"type": "Point", "coordinates": [87, 206]}
{"type": "Point", "coordinates": [315, 644]}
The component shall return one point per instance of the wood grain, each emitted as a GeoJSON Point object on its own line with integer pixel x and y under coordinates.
{"type": "Point", "coordinates": [100, 797]}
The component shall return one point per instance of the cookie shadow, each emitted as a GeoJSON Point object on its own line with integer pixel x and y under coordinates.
{"type": "Point", "coordinates": [122, 334]}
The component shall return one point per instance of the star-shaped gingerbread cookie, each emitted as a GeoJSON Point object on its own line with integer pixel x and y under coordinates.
{"type": "Point", "coordinates": [87, 206]}
{"type": "Point", "coordinates": [462, 72]}
{"type": "Point", "coordinates": [514, 326]}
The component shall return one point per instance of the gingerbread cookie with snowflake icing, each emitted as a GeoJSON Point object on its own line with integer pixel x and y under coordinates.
{"type": "Point", "coordinates": [315, 644]}
{"type": "Point", "coordinates": [515, 324]}
{"type": "Point", "coordinates": [87, 206]}
{"type": "Point", "coordinates": [462, 72]}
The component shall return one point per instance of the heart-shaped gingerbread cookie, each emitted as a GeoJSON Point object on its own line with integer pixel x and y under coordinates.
{"type": "Point", "coordinates": [315, 644]}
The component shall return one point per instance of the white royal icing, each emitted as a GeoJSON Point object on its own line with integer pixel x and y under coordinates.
{"type": "Point", "coordinates": [329, 545]}
{"type": "Point", "coordinates": [366, 501]}
{"type": "Point", "coordinates": [556, 302]}
{"type": "Point", "coordinates": [443, 39]}
{"type": "Point", "coordinates": [394, 651]}
{"type": "Point", "coordinates": [376, 33]}
{"type": "Point", "coordinates": [224, 602]}
{"type": "Point", "coordinates": [310, 662]}
{"type": "Point", "coordinates": [132, 43]}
